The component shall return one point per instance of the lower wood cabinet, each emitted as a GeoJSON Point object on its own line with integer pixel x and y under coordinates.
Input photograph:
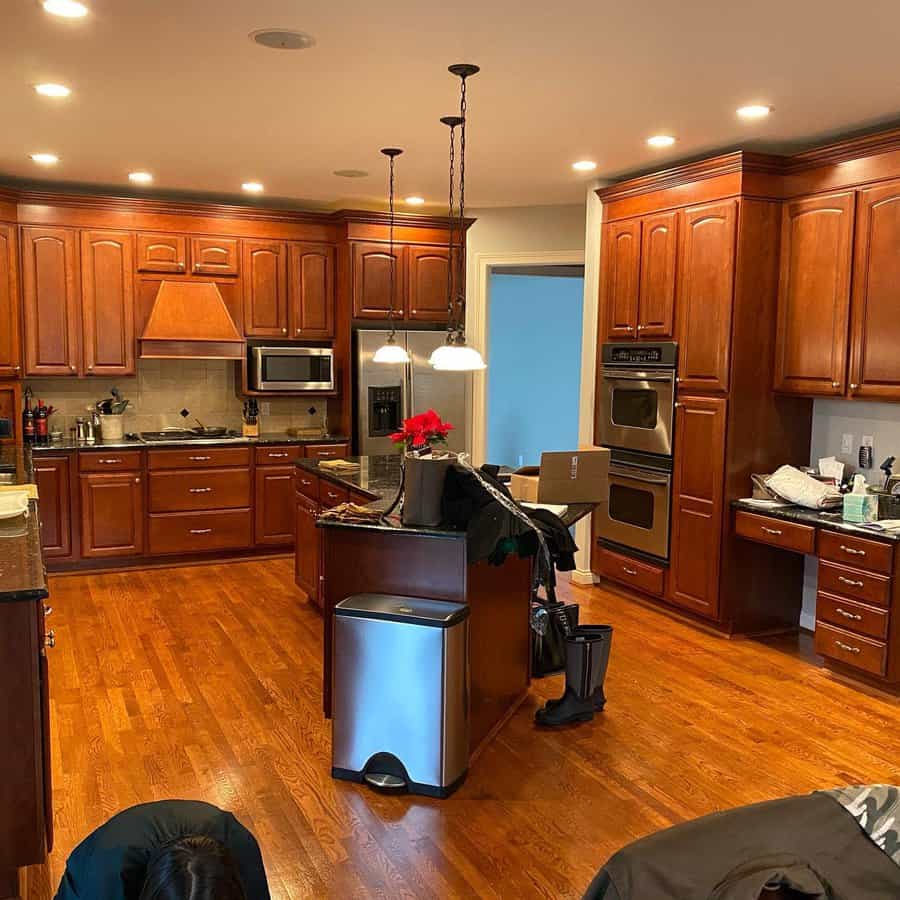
{"type": "Point", "coordinates": [697, 514]}
{"type": "Point", "coordinates": [634, 573]}
{"type": "Point", "coordinates": [308, 547]}
{"type": "Point", "coordinates": [10, 408]}
{"type": "Point", "coordinates": [326, 451]}
{"type": "Point", "coordinates": [112, 514]}
{"type": "Point", "coordinates": [53, 476]}
{"type": "Point", "coordinates": [200, 532]}
{"type": "Point", "coordinates": [274, 508]}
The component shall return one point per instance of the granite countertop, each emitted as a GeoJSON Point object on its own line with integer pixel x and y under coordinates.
{"type": "Point", "coordinates": [379, 477]}
{"type": "Point", "coordinates": [22, 575]}
{"type": "Point", "coordinates": [15, 465]}
{"type": "Point", "coordinates": [829, 520]}
{"type": "Point", "coordinates": [272, 437]}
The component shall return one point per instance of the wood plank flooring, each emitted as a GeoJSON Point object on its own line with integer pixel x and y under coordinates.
{"type": "Point", "coordinates": [204, 682]}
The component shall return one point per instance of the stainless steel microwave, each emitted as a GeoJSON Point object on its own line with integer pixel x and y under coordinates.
{"type": "Point", "coordinates": [291, 369]}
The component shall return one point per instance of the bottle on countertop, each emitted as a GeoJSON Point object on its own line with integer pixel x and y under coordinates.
{"type": "Point", "coordinates": [27, 418]}
{"type": "Point", "coordinates": [41, 432]}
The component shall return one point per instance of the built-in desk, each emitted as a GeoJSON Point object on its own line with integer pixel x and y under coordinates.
{"type": "Point", "coordinates": [858, 597]}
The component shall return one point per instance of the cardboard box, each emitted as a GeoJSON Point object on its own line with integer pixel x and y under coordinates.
{"type": "Point", "coordinates": [566, 477]}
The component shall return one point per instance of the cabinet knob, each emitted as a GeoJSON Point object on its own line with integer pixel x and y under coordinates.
{"type": "Point", "coordinates": [835, 384]}
{"type": "Point", "coordinates": [50, 638]}
{"type": "Point", "coordinates": [196, 267]}
{"type": "Point", "coordinates": [299, 330]}
{"type": "Point", "coordinates": [284, 330]}
{"type": "Point", "coordinates": [678, 404]}
{"type": "Point", "coordinates": [17, 368]}
{"type": "Point", "coordinates": [72, 367]}
{"type": "Point", "coordinates": [48, 610]}
{"type": "Point", "coordinates": [640, 327]}
{"type": "Point", "coordinates": [853, 387]}
{"type": "Point", "coordinates": [181, 266]}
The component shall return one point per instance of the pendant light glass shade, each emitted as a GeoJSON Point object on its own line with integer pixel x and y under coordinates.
{"type": "Point", "coordinates": [390, 352]}
{"type": "Point", "coordinates": [457, 358]}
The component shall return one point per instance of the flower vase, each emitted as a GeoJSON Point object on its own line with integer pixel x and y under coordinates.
{"type": "Point", "coordinates": [423, 488]}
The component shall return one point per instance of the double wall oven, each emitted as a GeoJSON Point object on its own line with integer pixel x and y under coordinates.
{"type": "Point", "coordinates": [636, 416]}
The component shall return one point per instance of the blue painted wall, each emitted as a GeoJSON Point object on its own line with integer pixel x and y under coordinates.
{"type": "Point", "coordinates": [534, 366]}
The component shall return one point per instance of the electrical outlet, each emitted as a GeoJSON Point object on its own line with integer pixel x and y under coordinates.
{"type": "Point", "coordinates": [265, 407]}
{"type": "Point", "coordinates": [867, 440]}
{"type": "Point", "coordinates": [846, 444]}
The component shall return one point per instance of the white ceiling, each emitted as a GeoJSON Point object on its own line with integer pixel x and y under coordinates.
{"type": "Point", "coordinates": [177, 88]}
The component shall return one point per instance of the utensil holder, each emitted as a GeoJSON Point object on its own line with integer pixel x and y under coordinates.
{"type": "Point", "coordinates": [111, 427]}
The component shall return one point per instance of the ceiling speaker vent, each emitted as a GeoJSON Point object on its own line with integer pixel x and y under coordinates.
{"type": "Point", "coordinates": [283, 39]}
{"type": "Point", "coordinates": [351, 173]}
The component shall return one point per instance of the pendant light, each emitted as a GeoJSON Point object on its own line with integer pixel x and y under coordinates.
{"type": "Point", "coordinates": [390, 351]}
{"type": "Point", "coordinates": [455, 355]}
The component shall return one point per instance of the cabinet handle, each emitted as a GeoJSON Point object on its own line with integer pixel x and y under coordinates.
{"type": "Point", "coordinates": [850, 581]}
{"type": "Point", "coordinates": [628, 571]}
{"type": "Point", "coordinates": [181, 266]}
{"type": "Point", "coordinates": [325, 453]}
{"type": "Point", "coordinates": [17, 368]}
{"type": "Point", "coordinates": [853, 387]}
{"type": "Point", "coordinates": [50, 638]}
{"type": "Point", "coordinates": [678, 404]}
{"type": "Point", "coordinates": [48, 610]}
{"type": "Point", "coordinates": [199, 458]}
{"type": "Point", "coordinates": [640, 327]}
{"type": "Point", "coordinates": [835, 384]}
{"type": "Point", "coordinates": [852, 552]}
{"type": "Point", "coordinates": [196, 267]}
{"type": "Point", "coordinates": [277, 455]}
{"type": "Point", "coordinates": [137, 480]}
{"type": "Point", "coordinates": [771, 530]}
{"type": "Point", "coordinates": [332, 495]}
{"type": "Point", "coordinates": [201, 531]}
{"type": "Point", "coordinates": [109, 462]}
{"type": "Point", "coordinates": [847, 647]}
{"type": "Point", "coordinates": [90, 368]}
{"type": "Point", "coordinates": [199, 490]}
{"type": "Point", "coordinates": [848, 615]}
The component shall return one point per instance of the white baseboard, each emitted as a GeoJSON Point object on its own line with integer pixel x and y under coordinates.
{"type": "Point", "coordinates": [581, 576]}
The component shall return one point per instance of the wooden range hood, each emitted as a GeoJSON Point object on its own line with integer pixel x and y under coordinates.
{"type": "Point", "coordinates": [190, 320]}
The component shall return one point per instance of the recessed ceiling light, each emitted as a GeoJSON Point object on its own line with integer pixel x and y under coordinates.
{"type": "Point", "coordinates": [584, 165]}
{"type": "Point", "coordinates": [52, 90]}
{"type": "Point", "coordinates": [661, 140]}
{"type": "Point", "coordinates": [754, 111]}
{"type": "Point", "coordinates": [140, 177]}
{"type": "Point", "coordinates": [351, 173]}
{"type": "Point", "coordinates": [45, 159]}
{"type": "Point", "coordinates": [68, 9]}
{"type": "Point", "coordinates": [252, 187]}
{"type": "Point", "coordinates": [415, 201]}
{"type": "Point", "coordinates": [283, 39]}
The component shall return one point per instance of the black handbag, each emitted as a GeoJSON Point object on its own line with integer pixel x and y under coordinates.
{"type": "Point", "coordinates": [551, 624]}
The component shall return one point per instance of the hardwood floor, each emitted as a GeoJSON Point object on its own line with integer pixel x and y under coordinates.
{"type": "Point", "coordinates": [204, 682]}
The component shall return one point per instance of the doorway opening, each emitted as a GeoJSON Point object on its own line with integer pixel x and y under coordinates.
{"type": "Point", "coordinates": [535, 318]}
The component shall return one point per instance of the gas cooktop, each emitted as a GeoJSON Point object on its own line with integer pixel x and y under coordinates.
{"type": "Point", "coordinates": [158, 437]}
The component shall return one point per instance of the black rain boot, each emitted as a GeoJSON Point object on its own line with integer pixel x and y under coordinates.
{"type": "Point", "coordinates": [587, 659]}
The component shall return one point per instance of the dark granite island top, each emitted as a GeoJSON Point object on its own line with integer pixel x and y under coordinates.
{"type": "Point", "coordinates": [828, 520]}
{"type": "Point", "coordinates": [264, 439]}
{"type": "Point", "coordinates": [22, 575]}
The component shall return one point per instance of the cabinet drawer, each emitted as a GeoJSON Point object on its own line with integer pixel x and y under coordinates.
{"type": "Point", "coordinates": [852, 616]}
{"type": "Point", "coordinates": [637, 574]}
{"type": "Point", "coordinates": [278, 456]}
{"type": "Point", "coordinates": [854, 584]}
{"type": "Point", "coordinates": [778, 533]}
{"type": "Point", "coordinates": [331, 494]}
{"type": "Point", "coordinates": [199, 458]}
{"type": "Point", "coordinates": [200, 531]}
{"type": "Point", "coordinates": [307, 484]}
{"type": "Point", "coordinates": [851, 649]}
{"type": "Point", "coordinates": [326, 451]}
{"type": "Point", "coordinates": [109, 461]}
{"type": "Point", "coordinates": [874, 556]}
{"type": "Point", "coordinates": [203, 489]}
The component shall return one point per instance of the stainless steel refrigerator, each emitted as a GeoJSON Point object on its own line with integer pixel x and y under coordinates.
{"type": "Point", "coordinates": [386, 394]}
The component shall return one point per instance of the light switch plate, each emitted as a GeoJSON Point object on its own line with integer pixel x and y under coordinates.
{"type": "Point", "coordinates": [867, 440]}
{"type": "Point", "coordinates": [846, 443]}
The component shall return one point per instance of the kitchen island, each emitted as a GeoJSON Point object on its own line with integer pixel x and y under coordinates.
{"type": "Point", "coordinates": [387, 557]}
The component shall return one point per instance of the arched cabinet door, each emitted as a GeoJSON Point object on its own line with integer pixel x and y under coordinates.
{"type": "Point", "coordinates": [311, 290]}
{"type": "Point", "coordinates": [619, 273]}
{"type": "Point", "coordinates": [214, 256]}
{"type": "Point", "coordinates": [265, 289]}
{"type": "Point", "coordinates": [428, 271]}
{"type": "Point", "coordinates": [875, 305]}
{"type": "Point", "coordinates": [372, 281]}
{"type": "Point", "coordinates": [656, 304]}
{"type": "Point", "coordinates": [10, 329]}
{"type": "Point", "coordinates": [814, 295]}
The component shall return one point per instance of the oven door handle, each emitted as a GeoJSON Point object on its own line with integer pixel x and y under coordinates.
{"type": "Point", "coordinates": [611, 375]}
{"type": "Point", "coordinates": [647, 479]}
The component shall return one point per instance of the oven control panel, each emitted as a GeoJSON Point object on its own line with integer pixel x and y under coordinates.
{"type": "Point", "coordinates": [662, 354]}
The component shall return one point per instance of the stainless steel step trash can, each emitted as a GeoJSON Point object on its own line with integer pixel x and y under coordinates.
{"type": "Point", "coordinates": [400, 699]}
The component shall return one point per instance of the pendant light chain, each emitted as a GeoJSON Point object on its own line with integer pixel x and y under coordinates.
{"type": "Point", "coordinates": [460, 258]}
{"type": "Point", "coordinates": [450, 262]}
{"type": "Point", "coordinates": [392, 262]}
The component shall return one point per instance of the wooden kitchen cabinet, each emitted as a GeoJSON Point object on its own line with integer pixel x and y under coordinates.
{"type": "Point", "coordinates": [214, 256]}
{"type": "Point", "coordinates": [275, 505]}
{"type": "Point", "coordinates": [107, 303]}
{"type": "Point", "coordinates": [875, 304]}
{"type": "Point", "coordinates": [307, 551]}
{"type": "Point", "coordinates": [620, 273]}
{"type": "Point", "coordinates": [371, 279]}
{"type": "Point", "coordinates": [54, 478]}
{"type": "Point", "coordinates": [162, 253]}
{"type": "Point", "coordinates": [704, 295]}
{"type": "Point", "coordinates": [814, 291]}
{"type": "Point", "coordinates": [326, 451]}
{"type": "Point", "coordinates": [265, 289]}
{"type": "Point", "coordinates": [50, 300]}
{"type": "Point", "coordinates": [656, 297]}
{"type": "Point", "coordinates": [311, 289]}
{"type": "Point", "coordinates": [11, 408]}
{"type": "Point", "coordinates": [112, 514]}
{"type": "Point", "coordinates": [10, 327]}
{"type": "Point", "coordinates": [427, 271]}
{"type": "Point", "coordinates": [697, 514]}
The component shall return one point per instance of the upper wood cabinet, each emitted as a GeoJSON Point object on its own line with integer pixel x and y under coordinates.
{"type": "Point", "coordinates": [265, 289]}
{"type": "Point", "coordinates": [10, 329]}
{"type": "Point", "coordinates": [619, 278]}
{"type": "Point", "coordinates": [814, 291]}
{"type": "Point", "coordinates": [50, 300]}
{"type": "Point", "coordinates": [311, 282]}
{"type": "Point", "coordinates": [11, 408]}
{"type": "Point", "coordinates": [875, 306]}
{"type": "Point", "coordinates": [697, 504]}
{"type": "Point", "coordinates": [656, 302]}
{"type": "Point", "coordinates": [214, 256]}
{"type": "Point", "coordinates": [704, 294]}
{"type": "Point", "coordinates": [371, 276]}
{"type": "Point", "coordinates": [161, 253]}
{"type": "Point", "coordinates": [428, 270]}
{"type": "Point", "coordinates": [107, 303]}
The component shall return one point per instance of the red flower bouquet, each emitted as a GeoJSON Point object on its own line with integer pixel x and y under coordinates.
{"type": "Point", "coordinates": [423, 433]}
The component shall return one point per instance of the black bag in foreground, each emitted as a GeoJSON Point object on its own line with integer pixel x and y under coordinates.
{"type": "Point", "coordinates": [551, 623]}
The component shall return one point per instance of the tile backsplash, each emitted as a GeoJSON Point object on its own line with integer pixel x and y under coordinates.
{"type": "Point", "coordinates": [162, 387]}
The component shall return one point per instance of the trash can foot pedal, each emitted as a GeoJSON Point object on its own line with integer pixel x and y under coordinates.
{"type": "Point", "coordinates": [389, 784]}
